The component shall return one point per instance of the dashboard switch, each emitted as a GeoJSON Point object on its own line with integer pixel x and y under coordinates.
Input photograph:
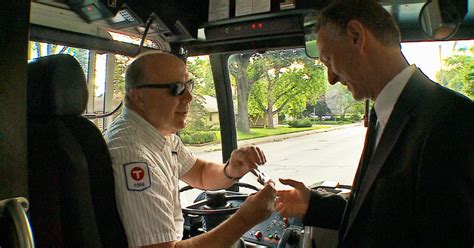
{"type": "Point", "coordinates": [285, 220]}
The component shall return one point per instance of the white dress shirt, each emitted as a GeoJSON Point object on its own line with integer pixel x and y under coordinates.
{"type": "Point", "coordinates": [388, 97]}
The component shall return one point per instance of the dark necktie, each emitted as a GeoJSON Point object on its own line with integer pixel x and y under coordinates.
{"type": "Point", "coordinates": [370, 140]}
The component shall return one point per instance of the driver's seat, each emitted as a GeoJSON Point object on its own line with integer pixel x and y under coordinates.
{"type": "Point", "coordinates": [71, 184]}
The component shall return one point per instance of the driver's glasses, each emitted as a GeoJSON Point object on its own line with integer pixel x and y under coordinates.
{"type": "Point", "coordinates": [176, 89]}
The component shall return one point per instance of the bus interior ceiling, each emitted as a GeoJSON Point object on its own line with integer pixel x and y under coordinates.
{"type": "Point", "coordinates": [199, 28]}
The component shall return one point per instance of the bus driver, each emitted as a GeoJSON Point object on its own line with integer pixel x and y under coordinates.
{"type": "Point", "coordinates": [149, 159]}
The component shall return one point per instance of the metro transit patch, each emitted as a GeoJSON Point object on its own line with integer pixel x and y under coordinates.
{"type": "Point", "coordinates": [137, 176]}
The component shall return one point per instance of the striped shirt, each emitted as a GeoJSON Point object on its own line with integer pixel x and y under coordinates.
{"type": "Point", "coordinates": [147, 167]}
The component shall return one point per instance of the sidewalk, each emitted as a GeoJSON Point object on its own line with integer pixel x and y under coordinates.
{"type": "Point", "coordinates": [217, 146]}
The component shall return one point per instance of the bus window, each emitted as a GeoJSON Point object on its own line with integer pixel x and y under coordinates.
{"type": "Point", "coordinates": [203, 121]}
{"type": "Point", "coordinates": [301, 100]}
{"type": "Point", "coordinates": [285, 94]}
{"type": "Point", "coordinates": [40, 49]}
{"type": "Point", "coordinates": [99, 71]}
{"type": "Point", "coordinates": [105, 74]}
{"type": "Point", "coordinates": [450, 63]}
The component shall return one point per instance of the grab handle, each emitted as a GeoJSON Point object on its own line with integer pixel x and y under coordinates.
{"type": "Point", "coordinates": [16, 208]}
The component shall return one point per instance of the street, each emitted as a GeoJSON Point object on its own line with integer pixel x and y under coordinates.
{"type": "Point", "coordinates": [331, 156]}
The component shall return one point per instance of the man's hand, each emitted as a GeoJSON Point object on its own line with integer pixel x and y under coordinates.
{"type": "Point", "coordinates": [258, 207]}
{"type": "Point", "coordinates": [293, 203]}
{"type": "Point", "coordinates": [245, 159]}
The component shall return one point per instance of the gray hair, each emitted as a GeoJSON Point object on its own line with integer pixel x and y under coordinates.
{"type": "Point", "coordinates": [370, 13]}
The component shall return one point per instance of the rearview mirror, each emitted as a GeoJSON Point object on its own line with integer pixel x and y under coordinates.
{"type": "Point", "coordinates": [310, 36]}
{"type": "Point", "coordinates": [440, 19]}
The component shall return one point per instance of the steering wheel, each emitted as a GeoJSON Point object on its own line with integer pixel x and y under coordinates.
{"type": "Point", "coordinates": [217, 202]}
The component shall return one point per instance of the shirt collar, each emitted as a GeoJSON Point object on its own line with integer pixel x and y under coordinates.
{"type": "Point", "coordinates": [160, 140]}
{"type": "Point", "coordinates": [389, 95]}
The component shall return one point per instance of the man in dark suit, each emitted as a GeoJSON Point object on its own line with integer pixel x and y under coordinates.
{"type": "Point", "coordinates": [414, 186]}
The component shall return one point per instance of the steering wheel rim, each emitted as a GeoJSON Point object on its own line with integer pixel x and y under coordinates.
{"type": "Point", "coordinates": [195, 207]}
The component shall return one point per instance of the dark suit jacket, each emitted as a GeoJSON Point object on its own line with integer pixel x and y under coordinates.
{"type": "Point", "coordinates": [418, 190]}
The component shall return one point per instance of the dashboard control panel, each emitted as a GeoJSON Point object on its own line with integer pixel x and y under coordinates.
{"type": "Point", "coordinates": [271, 231]}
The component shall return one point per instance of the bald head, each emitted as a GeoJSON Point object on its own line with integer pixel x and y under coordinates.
{"type": "Point", "coordinates": [150, 67]}
{"type": "Point", "coordinates": [165, 111]}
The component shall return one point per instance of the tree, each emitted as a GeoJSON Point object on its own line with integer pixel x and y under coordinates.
{"type": "Point", "coordinates": [341, 102]}
{"type": "Point", "coordinates": [319, 108]}
{"type": "Point", "coordinates": [200, 71]}
{"type": "Point", "coordinates": [245, 78]}
{"type": "Point", "coordinates": [121, 63]}
{"type": "Point", "coordinates": [458, 72]}
{"type": "Point", "coordinates": [289, 81]}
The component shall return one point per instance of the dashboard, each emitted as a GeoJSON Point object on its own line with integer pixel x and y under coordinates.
{"type": "Point", "coordinates": [276, 231]}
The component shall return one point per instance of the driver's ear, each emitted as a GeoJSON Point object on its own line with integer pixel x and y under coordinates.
{"type": "Point", "coordinates": [136, 98]}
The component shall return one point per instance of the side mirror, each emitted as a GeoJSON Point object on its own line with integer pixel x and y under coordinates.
{"type": "Point", "coordinates": [440, 19]}
{"type": "Point", "coordinates": [310, 36]}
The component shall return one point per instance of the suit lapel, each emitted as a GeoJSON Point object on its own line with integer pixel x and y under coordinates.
{"type": "Point", "coordinates": [387, 141]}
{"type": "Point", "coordinates": [402, 112]}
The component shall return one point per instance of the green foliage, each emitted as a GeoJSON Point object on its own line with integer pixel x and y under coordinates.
{"type": "Point", "coordinates": [121, 63]}
{"type": "Point", "coordinates": [215, 128]}
{"type": "Point", "coordinates": [276, 82]}
{"type": "Point", "coordinates": [300, 123]}
{"type": "Point", "coordinates": [256, 105]}
{"type": "Point", "coordinates": [290, 80]}
{"type": "Point", "coordinates": [341, 102]}
{"type": "Point", "coordinates": [356, 117]}
{"type": "Point", "coordinates": [458, 73]}
{"type": "Point", "coordinates": [199, 69]}
{"type": "Point", "coordinates": [197, 137]}
{"type": "Point", "coordinates": [197, 113]}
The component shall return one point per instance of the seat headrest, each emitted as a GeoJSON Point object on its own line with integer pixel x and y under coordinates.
{"type": "Point", "coordinates": [56, 86]}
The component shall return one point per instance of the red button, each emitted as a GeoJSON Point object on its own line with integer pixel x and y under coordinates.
{"type": "Point", "coordinates": [258, 234]}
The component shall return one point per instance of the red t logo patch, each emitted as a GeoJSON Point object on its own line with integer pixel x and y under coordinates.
{"type": "Point", "coordinates": [137, 173]}
{"type": "Point", "coordinates": [137, 176]}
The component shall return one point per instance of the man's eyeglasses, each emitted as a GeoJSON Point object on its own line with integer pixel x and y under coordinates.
{"type": "Point", "coordinates": [176, 89]}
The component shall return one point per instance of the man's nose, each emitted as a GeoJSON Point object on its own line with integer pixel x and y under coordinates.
{"type": "Point", "coordinates": [186, 96]}
{"type": "Point", "coordinates": [332, 77]}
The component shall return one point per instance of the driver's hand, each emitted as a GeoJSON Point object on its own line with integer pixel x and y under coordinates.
{"type": "Point", "coordinates": [258, 207]}
{"type": "Point", "coordinates": [294, 202]}
{"type": "Point", "coordinates": [244, 159]}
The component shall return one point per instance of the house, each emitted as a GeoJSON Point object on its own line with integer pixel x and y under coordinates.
{"type": "Point", "coordinates": [210, 103]}
{"type": "Point", "coordinates": [262, 121]}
